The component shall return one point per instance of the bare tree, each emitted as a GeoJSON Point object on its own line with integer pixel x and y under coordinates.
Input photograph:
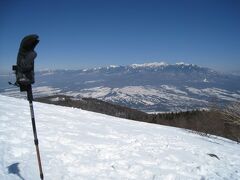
{"type": "Point", "coordinates": [231, 113]}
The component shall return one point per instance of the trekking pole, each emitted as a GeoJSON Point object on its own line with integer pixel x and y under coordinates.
{"type": "Point", "coordinates": [24, 71]}
{"type": "Point", "coordinates": [30, 99]}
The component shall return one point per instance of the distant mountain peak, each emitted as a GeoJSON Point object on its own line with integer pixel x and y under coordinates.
{"type": "Point", "coordinates": [153, 64]}
{"type": "Point", "coordinates": [161, 64]}
{"type": "Point", "coordinates": [183, 63]}
{"type": "Point", "coordinates": [112, 66]}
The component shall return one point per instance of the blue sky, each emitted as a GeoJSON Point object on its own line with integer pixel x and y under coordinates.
{"type": "Point", "coordinates": [78, 34]}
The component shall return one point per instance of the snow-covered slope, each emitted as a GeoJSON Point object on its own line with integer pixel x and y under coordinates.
{"type": "Point", "coordinates": [77, 144]}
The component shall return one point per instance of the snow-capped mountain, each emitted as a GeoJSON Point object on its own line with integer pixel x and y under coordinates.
{"type": "Point", "coordinates": [77, 144]}
{"type": "Point", "coordinates": [150, 87]}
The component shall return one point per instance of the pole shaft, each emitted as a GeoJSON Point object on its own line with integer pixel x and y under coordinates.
{"type": "Point", "coordinates": [30, 99]}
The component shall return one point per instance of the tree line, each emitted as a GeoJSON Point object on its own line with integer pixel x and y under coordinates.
{"type": "Point", "coordinates": [224, 121]}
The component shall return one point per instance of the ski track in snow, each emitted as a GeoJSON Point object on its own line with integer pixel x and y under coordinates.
{"type": "Point", "coordinates": [77, 144]}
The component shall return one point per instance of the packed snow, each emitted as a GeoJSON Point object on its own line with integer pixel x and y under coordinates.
{"type": "Point", "coordinates": [77, 144]}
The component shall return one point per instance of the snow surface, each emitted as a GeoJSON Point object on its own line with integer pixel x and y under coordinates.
{"type": "Point", "coordinates": [77, 144]}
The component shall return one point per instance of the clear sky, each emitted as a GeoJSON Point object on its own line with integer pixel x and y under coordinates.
{"type": "Point", "coordinates": [78, 34]}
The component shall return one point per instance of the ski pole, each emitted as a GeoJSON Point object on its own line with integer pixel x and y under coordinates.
{"type": "Point", "coordinates": [30, 99]}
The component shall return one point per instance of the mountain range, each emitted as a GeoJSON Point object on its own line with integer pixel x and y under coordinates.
{"type": "Point", "coordinates": [149, 87]}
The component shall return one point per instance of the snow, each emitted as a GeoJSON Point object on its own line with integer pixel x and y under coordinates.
{"type": "Point", "coordinates": [194, 90]}
{"type": "Point", "coordinates": [95, 92]}
{"type": "Point", "coordinates": [140, 95]}
{"type": "Point", "coordinates": [151, 65]}
{"type": "Point", "coordinates": [77, 144]}
{"type": "Point", "coordinates": [112, 66]}
{"type": "Point", "coordinates": [215, 92]}
{"type": "Point", "coordinates": [56, 99]}
{"type": "Point", "coordinates": [182, 63]}
{"type": "Point", "coordinates": [205, 80]}
{"type": "Point", "coordinates": [173, 89]}
{"type": "Point", "coordinates": [221, 94]}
